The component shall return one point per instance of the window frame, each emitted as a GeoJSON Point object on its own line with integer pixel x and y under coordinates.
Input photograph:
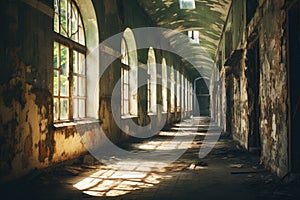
{"type": "Point", "coordinates": [72, 46]}
{"type": "Point", "coordinates": [151, 82]}
{"type": "Point", "coordinates": [125, 68]}
{"type": "Point", "coordinates": [125, 86]}
{"type": "Point", "coordinates": [164, 75]}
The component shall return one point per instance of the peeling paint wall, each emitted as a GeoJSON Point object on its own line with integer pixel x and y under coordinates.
{"type": "Point", "coordinates": [29, 139]}
{"type": "Point", "coordinates": [264, 106]}
{"type": "Point", "coordinates": [273, 88]}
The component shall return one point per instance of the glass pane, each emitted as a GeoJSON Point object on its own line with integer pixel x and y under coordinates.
{"type": "Point", "coordinates": [74, 23]}
{"type": "Point", "coordinates": [124, 58]}
{"type": "Point", "coordinates": [56, 6]}
{"type": "Point", "coordinates": [55, 83]}
{"type": "Point", "coordinates": [75, 86]}
{"type": "Point", "coordinates": [55, 108]}
{"type": "Point", "coordinates": [81, 86]}
{"type": "Point", "coordinates": [55, 55]}
{"type": "Point", "coordinates": [64, 108]}
{"type": "Point", "coordinates": [126, 107]}
{"type": "Point", "coordinates": [81, 32]}
{"type": "Point", "coordinates": [75, 108]}
{"type": "Point", "coordinates": [81, 108]}
{"type": "Point", "coordinates": [126, 77]}
{"type": "Point", "coordinates": [64, 85]}
{"type": "Point", "coordinates": [125, 92]}
{"type": "Point", "coordinates": [64, 60]}
{"type": "Point", "coordinates": [81, 64]}
{"type": "Point", "coordinates": [75, 61]}
{"type": "Point", "coordinates": [56, 21]}
{"type": "Point", "coordinates": [63, 17]}
{"type": "Point", "coordinates": [69, 24]}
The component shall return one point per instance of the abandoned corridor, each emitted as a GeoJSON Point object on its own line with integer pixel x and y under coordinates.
{"type": "Point", "coordinates": [157, 99]}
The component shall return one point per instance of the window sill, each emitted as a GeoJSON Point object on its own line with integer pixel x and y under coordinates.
{"type": "Point", "coordinates": [128, 116]}
{"type": "Point", "coordinates": [64, 124]}
{"type": "Point", "coordinates": [151, 113]}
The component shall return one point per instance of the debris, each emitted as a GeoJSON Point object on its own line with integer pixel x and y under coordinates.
{"type": "Point", "coordinates": [225, 158]}
{"type": "Point", "coordinates": [198, 165]}
{"type": "Point", "coordinates": [236, 165]}
{"type": "Point", "coordinates": [88, 166]}
{"type": "Point", "coordinates": [88, 160]}
{"type": "Point", "coordinates": [73, 170]}
{"type": "Point", "coordinates": [201, 163]}
{"type": "Point", "coordinates": [192, 166]}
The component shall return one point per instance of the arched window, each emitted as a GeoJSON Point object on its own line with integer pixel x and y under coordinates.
{"type": "Point", "coordinates": [151, 80]}
{"type": "Point", "coordinates": [124, 79]}
{"type": "Point", "coordinates": [70, 71]}
{"type": "Point", "coordinates": [172, 84]}
{"type": "Point", "coordinates": [182, 92]}
{"type": "Point", "coordinates": [178, 92]}
{"type": "Point", "coordinates": [129, 74]}
{"type": "Point", "coordinates": [164, 85]}
{"type": "Point", "coordinates": [186, 94]}
{"type": "Point", "coordinates": [190, 96]}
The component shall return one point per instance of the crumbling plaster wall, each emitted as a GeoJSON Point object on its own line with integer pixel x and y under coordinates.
{"type": "Point", "coordinates": [25, 98]}
{"type": "Point", "coordinates": [273, 86]}
{"type": "Point", "coordinates": [29, 139]}
{"type": "Point", "coordinates": [268, 27]}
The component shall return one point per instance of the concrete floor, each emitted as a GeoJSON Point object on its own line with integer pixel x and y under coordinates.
{"type": "Point", "coordinates": [227, 172]}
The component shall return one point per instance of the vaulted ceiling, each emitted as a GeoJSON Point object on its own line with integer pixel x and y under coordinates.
{"type": "Point", "coordinates": [208, 18]}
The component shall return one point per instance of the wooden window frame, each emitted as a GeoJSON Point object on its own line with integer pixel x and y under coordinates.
{"type": "Point", "coordinates": [72, 46]}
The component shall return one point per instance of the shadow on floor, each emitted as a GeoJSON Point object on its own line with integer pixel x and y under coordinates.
{"type": "Point", "coordinates": [226, 172]}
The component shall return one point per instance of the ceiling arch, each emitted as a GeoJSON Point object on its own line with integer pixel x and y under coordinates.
{"type": "Point", "coordinates": [208, 18]}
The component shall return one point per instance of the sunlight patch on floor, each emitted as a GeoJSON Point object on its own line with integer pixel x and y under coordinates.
{"type": "Point", "coordinates": [120, 178]}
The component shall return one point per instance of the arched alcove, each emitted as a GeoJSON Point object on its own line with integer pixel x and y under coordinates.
{"type": "Point", "coordinates": [151, 87]}
{"type": "Point", "coordinates": [129, 73]}
{"type": "Point", "coordinates": [164, 75]}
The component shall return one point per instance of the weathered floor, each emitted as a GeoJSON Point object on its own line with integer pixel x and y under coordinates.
{"type": "Point", "coordinates": [227, 172]}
